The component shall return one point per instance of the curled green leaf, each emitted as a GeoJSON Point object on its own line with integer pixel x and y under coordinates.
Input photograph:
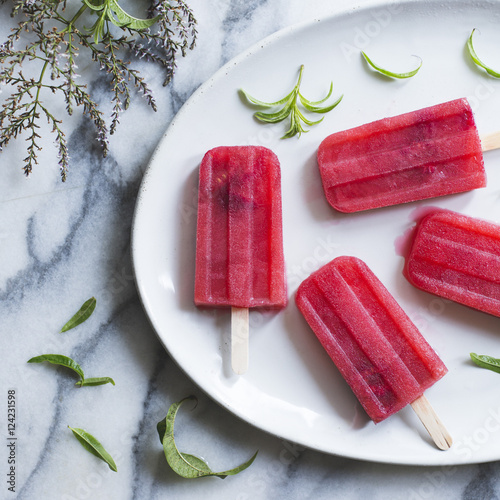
{"type": "Point", "coordinates": [95, 381]}
{"type": "Point", "coordinates": [308, 122]}
{"type": "Point", "coordinates": [274, 117]}
{"type": "Point", "coordinates": [313, 106]}
{"type": "Point", "coordinates": [126, 20]}
{"type": "Point", "coordinates": [110, 11]}
{"type": "Point", "coordinates": [487, 362]}
{"type": "Point", "coordinates": [184, 464]}
{"type": "Point", "coordinates": [82, 315]}
{"type": "Point", "coordinates": [59, 359]}
{"type": "Point", "coordinates": [95, 5]}
{"type": "Point", "coordinates": [309, 103]}
{"type": "Point", "coordinates": [392, 74]}
{"type": "Point", "coordinates": [92, 445]}
{"type": "Point", "coordinates": [476, 59]}
{"type": "Point", "coordinates": [263, 104]}
{"type": "Point", "coordinates": [291, 109]}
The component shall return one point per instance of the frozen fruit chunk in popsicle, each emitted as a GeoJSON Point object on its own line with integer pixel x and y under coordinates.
{"type": "Point", "coordinates": [239, 244]}
{"type": "Point", "coordinates": [377, 349]}
{"type": "Point", "coordinates": [426, 153]}
{"type": "Point", "coordinates": [457, 257]}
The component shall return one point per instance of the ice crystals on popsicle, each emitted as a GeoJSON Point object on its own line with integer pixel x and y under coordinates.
{"type": "Point", "coordinates": [378, 350]}
{"type": "Point", "coordinates": [239, 243]}
{"type": "Point", "coordinates": [457, 257]}
{"type": "Point", "coordinates": [426, 153]}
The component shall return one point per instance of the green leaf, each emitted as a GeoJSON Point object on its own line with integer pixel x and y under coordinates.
{"type": "Point", "coordinates": [197, 462]}
{"type": "Point", "coordinates": [487, 362]}
{"type": "Point", "coordinates": [91, 444]}
{"type": "Point", "coordinates": [184, 464]}
{"type": "Point", "coordinates": [317, 109]}
{"type": "Point", "coordinates": [274, 117]}
{"type": "Point", "coordinates": [123, 19]}
{"type": "Point", "coordinates": [295, 126]}
{"type": "Point", "coordinates": [95, 381]}
{"type": "Point", "coordinates": [99, 28]}
{"type": "Point", "coordinates": [59, 359]}
{"type": "Point", "coordinates": [95, 5]}
{"type": "Point", "coordinates": [291, 109]}
{"type": "Point", "coordinates": [110, 11]}
{"type": "Point", "coordinates": [476, 59]}
{"type": "Point", "coordinates": [392, 74]}
{"type": "Point", "coordinates": [82, 315]}
{"type": "Point", "coordinates": [236, 470]}
{"type": "Point", "coordinates": [253, 100]}
{"type": "Point", "coordinates": [308, 122]}
{"type": "Point", "coordinates": [307, 102]}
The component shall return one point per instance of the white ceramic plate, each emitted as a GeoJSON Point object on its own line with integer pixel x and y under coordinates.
{"type": "Point", "coordinates": [292, 389]}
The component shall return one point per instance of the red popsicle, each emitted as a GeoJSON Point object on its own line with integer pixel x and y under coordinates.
{"type": "Point", "coordinates": [426, 153]}
{"type": "Point", "coordinates": [377, 349]}
{"type": "Point", "coordinates": [457, 257]}
{"type": "Point", "coordinates": [239, 243]}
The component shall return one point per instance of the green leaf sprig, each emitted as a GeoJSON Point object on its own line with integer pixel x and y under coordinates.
{"type": "Point", "coordinates": [61, 360]}
{"type": "Point", "coordinates": [291, 109]}
{"type": "Point", "coordinates": [392, 74]}
{"type": "Point", "coordinates": [184, 464]}
{"type": "Point", "coordinates": [487, 362]}
{"type": "Point", "coordinates": [476, 59]}
{"type": "Point", "coordinates": [83, 314]}
{"type": "Point", "coordinates": [92, 445]}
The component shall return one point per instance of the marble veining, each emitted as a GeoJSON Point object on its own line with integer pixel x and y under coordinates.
{"type": "Point", "coordinates": [62, 244]}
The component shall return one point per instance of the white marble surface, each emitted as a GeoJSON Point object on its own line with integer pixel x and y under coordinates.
{"type": "Point", "coordinates": [62, 243]}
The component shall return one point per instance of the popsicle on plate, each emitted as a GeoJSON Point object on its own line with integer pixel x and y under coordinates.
{"type": "Point", "coordinates": [239, 242]}
{"type": "Point", "coordinates": [377, 349]}
{"type": "Point", "coordinates": [426, 153]}
{"type": "Point", "coordinates": [457, 257]}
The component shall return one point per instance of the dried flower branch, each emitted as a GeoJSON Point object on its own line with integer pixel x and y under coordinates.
{"type": "Point", "coordinates": [54, 41]}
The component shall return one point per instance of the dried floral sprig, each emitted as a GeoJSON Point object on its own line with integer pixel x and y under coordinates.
{"type": "Point", "coordinates": [54, 41]}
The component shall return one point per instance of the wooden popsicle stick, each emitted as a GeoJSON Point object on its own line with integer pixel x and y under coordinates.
{"type": "Point", "coordinates": [239, 339]}
{"type": "Point", "coordinates": [432, 423]}
{"type": "Point", "coordinates": [490, 141]}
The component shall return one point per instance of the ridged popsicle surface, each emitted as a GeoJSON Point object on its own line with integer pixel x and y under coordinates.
{"type": "Point", "coordinates": [239, 244]}
{"type": "Point", "coordinates": [426, 153]}
{"type": "Point", "coordinates": [376, 347]}
{"type": "Point", "coordinates": [457, 257]}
